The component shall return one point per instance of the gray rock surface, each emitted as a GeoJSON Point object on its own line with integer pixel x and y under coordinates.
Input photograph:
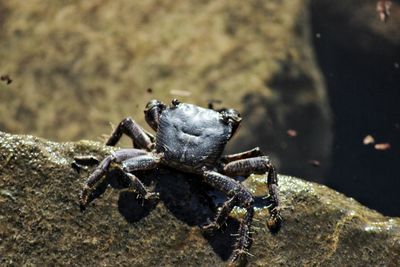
{"type": "Point", "coordinates": [40, 221]}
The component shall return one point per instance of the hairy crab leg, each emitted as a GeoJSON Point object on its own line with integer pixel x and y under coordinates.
{"type": "Point", "coordinates": [139, 188]}
{"type": "Point", "coordinates": [244, 199]}
{"type": "Point", "coordinates": [255, 152]}
{"type": "Point", "coordinates": [140, 138]}
{"type": "Point", "coordinates": [260, 165]}
{"type": "Point", "coordinates": [245, 240]}
{"type": "Point", "coordinates": [96, 176]}
{"type": "Point", "coordinates": [120, 155]}
{"type": "Point", "coordinates": [80, 162]}
{"type": "Point", "coordinates": [141, 163]}
{"type": "Point", "coordinates": [86, 160]}
{"type": "Point", "coordinates": [222, 214]}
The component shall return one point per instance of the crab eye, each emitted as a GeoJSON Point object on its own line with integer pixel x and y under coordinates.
{"type": "Point", "coordinates": [175, 102]}
{"type": "Point", "coordinates": [231, 115]}
{"type": "Point", "coordinates": [151, 104]}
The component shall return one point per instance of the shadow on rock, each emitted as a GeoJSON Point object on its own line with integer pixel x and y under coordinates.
{"type": "Point", "coordinates": [132, 208]}
{"type": "Point", "coordinates": [194, 203]}
{"type": "Point", "coordinates": [184, 195]}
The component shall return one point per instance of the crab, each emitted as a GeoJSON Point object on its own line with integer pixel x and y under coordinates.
{"type": "Point", "coordinates": [191, 139]}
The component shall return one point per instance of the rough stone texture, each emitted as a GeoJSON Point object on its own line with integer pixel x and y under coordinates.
{"type": "Point", "coordinates": [89, 63]}
{"type": "Point", "coordinates": [40, 221]}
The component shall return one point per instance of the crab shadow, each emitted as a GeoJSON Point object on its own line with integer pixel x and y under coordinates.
{"type": "Point", "coordinates": [185, 196]}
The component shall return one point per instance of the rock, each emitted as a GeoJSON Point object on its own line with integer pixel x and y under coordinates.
{"type": "Point", "coordinates": [41, 224]}
{"type": "Point", "coordinates": [91, 63]}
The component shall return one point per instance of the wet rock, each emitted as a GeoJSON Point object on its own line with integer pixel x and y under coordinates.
{"type": "Point", "coordinates": [80, 65]}
{"type": "Point", "coordinates": [41, 224]}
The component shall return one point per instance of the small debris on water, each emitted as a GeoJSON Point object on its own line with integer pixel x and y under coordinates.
{"type": "Point", "coordinates": [369, 139]}
{"type": "Point", "coordinates": [314, 162]}
{"type": "Point", "coordinates": [382, 146]}
{"type": "Point", "coordinates": [291, 133]}
{"type": "Point", "coordinates": [383, 9]}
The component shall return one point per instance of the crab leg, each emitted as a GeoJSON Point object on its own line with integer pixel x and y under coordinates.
{"type": "Point", "coordinates": [138, 187]}
{"type": "Point", "coordinates": [255, 152]}
{"type": "Point", "coordinates": [98, 174]}
{"type": "Point", "coordinates": [260, 165]}
{"type": "Point", "coordinates": [244, 199]}
{"type": "Point", "coordinates": [81, 161]}
{"type": "Point", "coordinates": [222, 215]}
{"type": "Point", "coordinates": [140, 138]}
{"type": "Point", "coordinates": [86, 160]}
{"type": "Point", "coordinates": [141, 163]}
{"type": "Point", "coordinates": [244, 240]}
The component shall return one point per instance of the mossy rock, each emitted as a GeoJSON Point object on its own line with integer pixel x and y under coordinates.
{"type": "Point", "coordinates": [41, 223]}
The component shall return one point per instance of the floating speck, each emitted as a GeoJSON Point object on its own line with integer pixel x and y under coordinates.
{"type": "Point", "coordinates": [382, 146]}
{"type": "Point", "coordinates": [368, 140]}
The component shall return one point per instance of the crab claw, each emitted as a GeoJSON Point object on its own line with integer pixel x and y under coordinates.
{"type": "Point", "coordinates": [274, 222]}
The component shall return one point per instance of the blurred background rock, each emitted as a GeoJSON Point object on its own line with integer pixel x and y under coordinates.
{"type": "Point", "coordinates": [76, 66]}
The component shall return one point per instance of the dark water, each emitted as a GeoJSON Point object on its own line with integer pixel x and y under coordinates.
{"type": "Point", "coordinates": [364, 92]}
